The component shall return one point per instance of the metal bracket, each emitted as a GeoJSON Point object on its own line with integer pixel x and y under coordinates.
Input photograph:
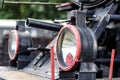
{"type": "Point", "coordinates": [80, 19]}
{"type": "Point", "coordinates": [20, 26]}
{"type": "Point", "coordinates": [100, 27]}
{"type": "Point", "coordinates": [23, 61]}
{"type": "Point", "coordinates": [87, 70]}
{"type": "Point", "coordinates": [41, 64]}
{"type": "Point", "coordinates": [103, 19]}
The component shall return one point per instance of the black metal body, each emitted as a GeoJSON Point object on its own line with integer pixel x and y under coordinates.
{"type": "Point", "coordinates": [97, 21]}
{"type": "Point", "coordinates": [22, 58]}
{"type": "Point", "coordinates": [102, 20]}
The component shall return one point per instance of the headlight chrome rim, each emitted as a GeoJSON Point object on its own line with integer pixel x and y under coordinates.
{"type": "Point", "coordinates": [17, 44]}
{"type": "Point", "coordinates": [78, 47]}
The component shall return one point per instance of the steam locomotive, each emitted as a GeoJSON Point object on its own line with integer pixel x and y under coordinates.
{"type": "Point", "coordinates": [86, 48]}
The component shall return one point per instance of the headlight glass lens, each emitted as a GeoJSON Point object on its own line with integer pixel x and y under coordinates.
{"type": "Point", "coordinates": [67, 47]}
{"type": "Point", "coordinates": [12, 45]}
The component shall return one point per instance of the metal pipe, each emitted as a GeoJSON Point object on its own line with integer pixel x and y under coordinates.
{"type": "Point", "coordinates": [44, 25]}
{"type": "Point", "coordinates": [102, 60]}
{"type": "Point", "coordinates": [112, 18]}
{"type": "Point", "coordinates": [37, 49]}
{"type": "Point", "coordinates": [115, 17]}
{"type": "Point", "coordinates": [29, 3]}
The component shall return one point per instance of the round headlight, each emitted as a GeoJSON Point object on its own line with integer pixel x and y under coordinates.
{"type": "Point", "coordinates": [13, 44]}
{"type": "Point", "coordinates": [68, 47]}
{"type": "Point", "coordinates": [18, 43]}
{"type": "Point", "coordinates": [75, 46]}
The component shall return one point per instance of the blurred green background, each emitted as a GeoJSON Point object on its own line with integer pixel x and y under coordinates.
{"type": "Point", "coordinates": [13, 11]}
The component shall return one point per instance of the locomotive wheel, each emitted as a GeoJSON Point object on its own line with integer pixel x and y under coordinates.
{"type": "Point", "coordinates": [18, 43]}
{"type": "Point", "coordinates": [75, 46]}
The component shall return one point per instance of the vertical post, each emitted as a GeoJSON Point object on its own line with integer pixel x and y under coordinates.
{"type": "Point", "coordinates": [111, 64]}
{"type": "Point", "coordinates": [52, 61]}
